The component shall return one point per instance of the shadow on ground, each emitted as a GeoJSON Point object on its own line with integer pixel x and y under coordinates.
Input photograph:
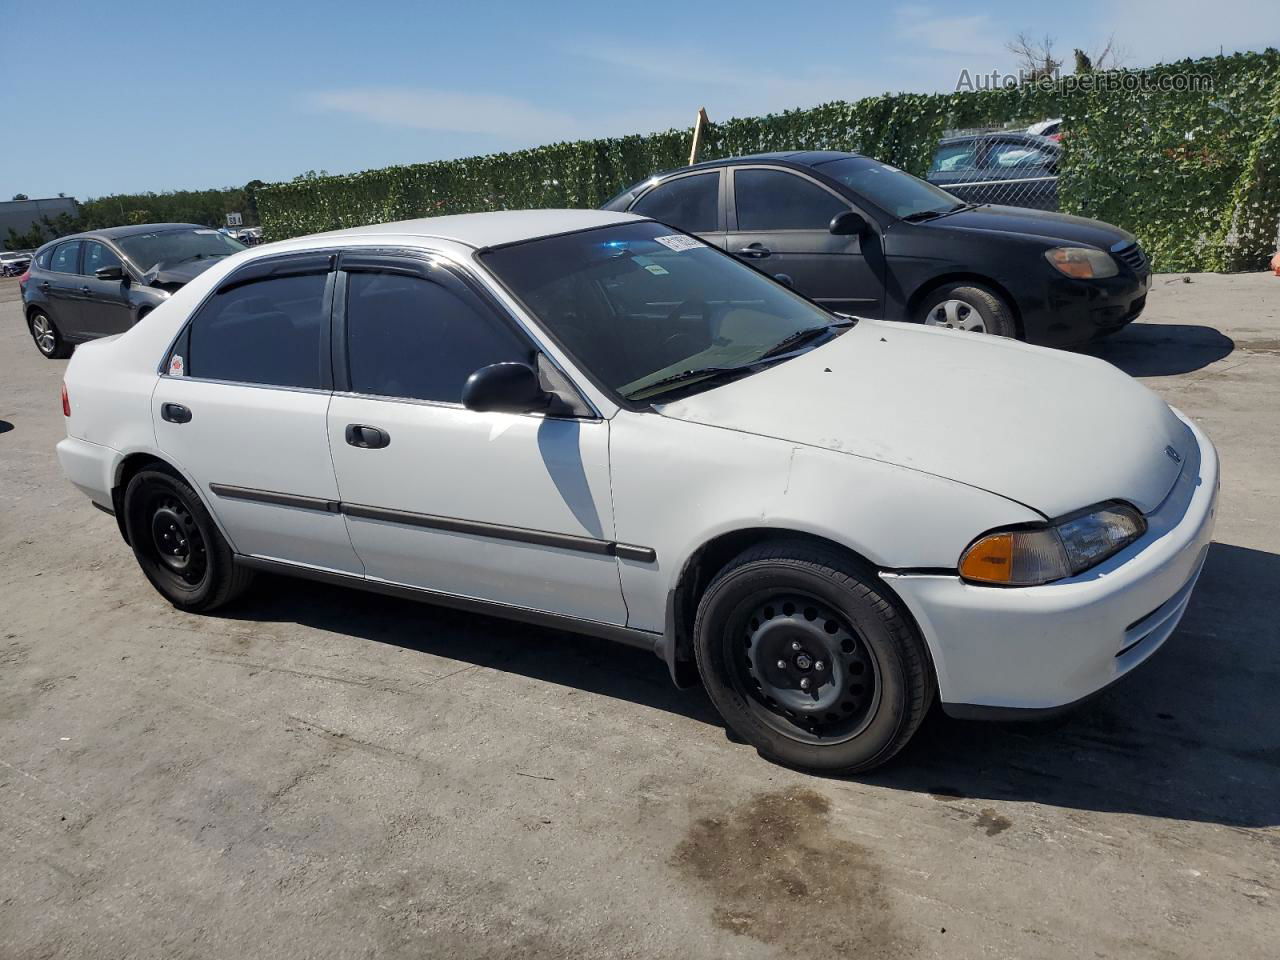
{"type": "Point", "coordinates": [5, 426]}
{"type": "Point", "coordinates": [1162, 349]}
{"type": "Point", "coordinates": [1192, 735]}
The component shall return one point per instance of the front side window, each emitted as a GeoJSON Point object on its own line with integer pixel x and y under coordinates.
{"type": "Point", "coordinates": [170, 247]}
{"type": "Point", "coordinates": [414, 338]}
{"type": "Point", "coordinates": [66, 256]}
{"type": "Point", "coordinates": [690, 203]}
{"type": "Point", "coordinates": [637, 305]}
{"type": "Point", "coordinates": [1006, 154]}
{"type": "Point", "coordinates": [98, 255]}
{"type": "Point", "coordinates": [954, 157]}
{"type": "Point", "coordinates": [268, 331]}
{"type": "Point", "coordinates": [776, 200]}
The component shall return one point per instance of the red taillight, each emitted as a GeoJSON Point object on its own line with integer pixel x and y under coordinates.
{"type": "Point", "coordinates": [66, 402]}
{"type": "Point", "coordinates": [22, 280]}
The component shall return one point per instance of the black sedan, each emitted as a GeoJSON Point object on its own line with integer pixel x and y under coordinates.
{"type": "Point", "coordinates": [102, 282]}
{"type": "Point", "coordinates": [860, 236]}
{"type": "Point", "coordinates": [1020, 169]}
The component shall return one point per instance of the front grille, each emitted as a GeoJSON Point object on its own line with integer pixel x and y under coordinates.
{"type": "Point", "coordinates": [1133, 258]}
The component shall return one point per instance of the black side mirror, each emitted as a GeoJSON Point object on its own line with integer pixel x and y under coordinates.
{"type": "Point", "coordinates": [505, 388]}
{"type": "Point", "coordinates": [110, 272]}
{"type": "Point", "coordinates": [847, 224]}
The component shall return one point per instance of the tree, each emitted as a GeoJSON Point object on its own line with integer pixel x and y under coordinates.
{"type": "Point", "coordinates": [1035, 57]}
{"type": "Point", "coordinates": [1110, 56]}
{"type": "Point", "coordinates": [21, 196]}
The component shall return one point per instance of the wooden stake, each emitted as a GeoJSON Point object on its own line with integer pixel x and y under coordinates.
{"type": "Point", "coordinates": [699, 126]}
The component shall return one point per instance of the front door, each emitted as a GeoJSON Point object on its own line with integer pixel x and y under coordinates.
{"type": "Point", "coordinates": [779, 224]}
{"type": "Point", "coordinates": [105, 308]}
{"type": "Point", "coordinates": [512, 509]}
{"type": "Point", "coordinates": [242, 406]}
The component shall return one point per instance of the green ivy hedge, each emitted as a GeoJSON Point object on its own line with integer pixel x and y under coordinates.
{"type": "Point", "coordinates": [1193, 173]}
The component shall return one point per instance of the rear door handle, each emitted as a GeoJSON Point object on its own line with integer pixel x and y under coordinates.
{"type": "Point", "coordinates": [366, 437]}
{"type": "Point", "coordinates": [85, 291]}
{"type": "Point", "coordinates": [44, 284]}
{"type": "Point", "coordinates": [755, 250]}
{"type": "Point", "coordinates": [175, 413]}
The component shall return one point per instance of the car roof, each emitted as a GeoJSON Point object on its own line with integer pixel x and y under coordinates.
{"type": "Point", "coordinates": [481, 230]}
{"type": "Point", "coordinates": [804, 158]}
{"type": "Point", "coordinates": [1022, 135]}
{"type": "Point", "coordinates": [115, 233]}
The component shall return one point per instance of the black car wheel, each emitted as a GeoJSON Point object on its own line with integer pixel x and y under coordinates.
{"type": "Point", "coordinates": [178, 545]}
{"type": "Point", "coordinates": [48, 340]}
{"type": "Point", "coordinates": [809, 660]}
{"type": "Point", "coordinates": [968, 306]}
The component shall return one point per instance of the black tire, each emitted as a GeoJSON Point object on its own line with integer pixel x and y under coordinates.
{"type": "Point", "coordinates": [48, 339]}
{"type": "Point", "coordinates": [975, 304]}
{"type": "Point", "coordinates": [177, 544]}
{"type": "Point", "coordinates": [861, 707]}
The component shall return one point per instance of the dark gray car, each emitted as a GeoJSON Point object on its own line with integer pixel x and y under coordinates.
{"type": "Point", "coordinates": [1012, 168]}
{"type": "Point", "coordinates": [102, 282]}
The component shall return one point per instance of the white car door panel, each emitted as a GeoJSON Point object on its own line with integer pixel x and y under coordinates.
{"type": "Point", "coordinates": [499, 507]}
{"type": "Point", "coordinates": [506, 508]}
{"type": "Point", "coordinates": [242, 411]}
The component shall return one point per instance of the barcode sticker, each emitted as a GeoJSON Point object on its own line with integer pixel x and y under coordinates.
{"type": "Point", "coordinates": [679, 242]}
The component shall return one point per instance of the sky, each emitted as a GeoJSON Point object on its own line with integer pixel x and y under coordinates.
{"type": "Point", "coordinates": [104, 98]}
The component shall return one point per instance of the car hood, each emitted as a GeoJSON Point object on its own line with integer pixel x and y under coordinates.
{"type": "Point", "coordinates": [1053, 431]}
{"type": "Point", "coordinates": [178, 273]}
{"type": "Point", "coordinates": [1035, 223]}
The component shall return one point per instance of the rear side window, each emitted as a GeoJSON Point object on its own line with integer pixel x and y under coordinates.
{"type": "Point", "coordinates": [410, 337]}
{"type": "Point", "coordinates": [65, 257]}
{"type": "Point", "coordinates": [954, 157]}
{"type": "Point", "coordinates": [690, 203]}
{"type": "Point", "coordinates": [271, 331]}
{"type": "Point", "coordinates": [1005, 154]}
{"type": "Point", "coordinates": [98, 255]}
{"type": "Point", "coordinates": [775, 200]}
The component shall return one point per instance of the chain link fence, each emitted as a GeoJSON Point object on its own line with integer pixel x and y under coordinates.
{"type": "Point", "coordinates": [1015, 164]}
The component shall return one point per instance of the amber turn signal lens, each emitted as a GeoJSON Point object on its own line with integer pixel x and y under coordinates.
{"type": "Point", "coordinates": [990, 560]}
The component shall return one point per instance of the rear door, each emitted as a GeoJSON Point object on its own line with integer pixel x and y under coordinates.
{"type": "Point", "coordinates": [241, 410]}
{"type": "Point", "coordinates": [104, 309]}
{"type": "Point", "coordinates": [693, 202]}
{"type": "Point", "coordinates": [507, 508]}
{"type": "Point", "coordinates": [60, 286]}
{"type": "Point", "coordinates": [778, 223]}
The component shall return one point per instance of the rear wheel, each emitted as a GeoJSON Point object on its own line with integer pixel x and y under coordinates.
{"type": "Point", "coordinates": [177, 544]}
{"type": "Point", "coordinates": [970, 307]}
{"type": "Point", "coordinates": [809, 661]}
{"type": "Point", "coordinates": [48, 340]}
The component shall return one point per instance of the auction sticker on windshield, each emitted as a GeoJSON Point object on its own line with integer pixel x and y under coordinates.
{"type": "Point", "coordinates": [678, 242]}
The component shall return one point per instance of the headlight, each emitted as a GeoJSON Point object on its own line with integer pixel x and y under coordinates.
{"type": "Point", "coordinates": [1082, 263]}
{"type": "Point", "coordinates": [1035, 555]}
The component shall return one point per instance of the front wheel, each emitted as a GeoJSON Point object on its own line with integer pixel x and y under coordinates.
{"type": "Point", "coordinates": [809, 660]}
{"type": "Point", "coordinates": [178, 545]}
{"type": "Point", "coordinates": [970, 307]}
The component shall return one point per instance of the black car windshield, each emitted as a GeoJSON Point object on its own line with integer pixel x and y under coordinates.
{"type": "Point", "coordinates": [647, 311]}
{"type": "Point", "coordinates": [170, 247]}
{"type": "Point", "coordinates": [892, 190]}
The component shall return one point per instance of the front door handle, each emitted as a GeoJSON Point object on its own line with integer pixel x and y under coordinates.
{"type": "Point", "coordinates": [85, 291]}
{"type": "Point", "coordinates": [755, 251]}
{"type": "Point", "coordinates": [366, 437]}
{"type": "Point", "coordinates": [175, 413]}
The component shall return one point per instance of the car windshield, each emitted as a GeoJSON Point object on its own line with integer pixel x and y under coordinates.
{"type": "Point", "coordinates": [649, 313]}
{"type": "Point", "coordinates": [171, 247]}
{"type": "Point", "coordinates": [892, 190]}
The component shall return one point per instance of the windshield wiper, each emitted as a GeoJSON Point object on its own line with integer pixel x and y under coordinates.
{"type": "Point", "coordinates": [787, 344]}
{"type": "Point", "coordinates": [684, 376]}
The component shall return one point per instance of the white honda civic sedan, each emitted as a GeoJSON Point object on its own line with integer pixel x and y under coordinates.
{"type": "Point", "coordinates": [588, 420]}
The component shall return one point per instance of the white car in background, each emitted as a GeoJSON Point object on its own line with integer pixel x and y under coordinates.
{"type": "Point", "coordinates": [589, 420]}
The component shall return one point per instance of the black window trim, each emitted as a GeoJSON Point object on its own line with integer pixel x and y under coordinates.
{"type": "Point", "coordinates": [722, 222]}
{"type": "Point", "coordinates": [732, 197]}
{"type": "Point", "coordinates": [433, 266]}
{"type": "Point", "coordinates": [300, 263]}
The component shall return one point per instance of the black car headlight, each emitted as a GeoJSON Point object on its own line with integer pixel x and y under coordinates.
{"type": "Point", "coordinates": [1028, 556]}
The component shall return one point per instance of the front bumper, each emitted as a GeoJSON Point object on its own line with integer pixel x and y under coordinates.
{"type": "Point", "coordinates": [1071, 312]}
{"type": "Point", "coordinates": [1041, 649]}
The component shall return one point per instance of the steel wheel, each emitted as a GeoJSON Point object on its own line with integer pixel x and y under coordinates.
{"type": "Point", "coordinates": [176, 540]}
{"type": "Point", "coordinates": [956, 315]}
{"type": "Point", "coordinates": [43, 332]}
{"type": "Point", "coordinates": [805, 671]}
